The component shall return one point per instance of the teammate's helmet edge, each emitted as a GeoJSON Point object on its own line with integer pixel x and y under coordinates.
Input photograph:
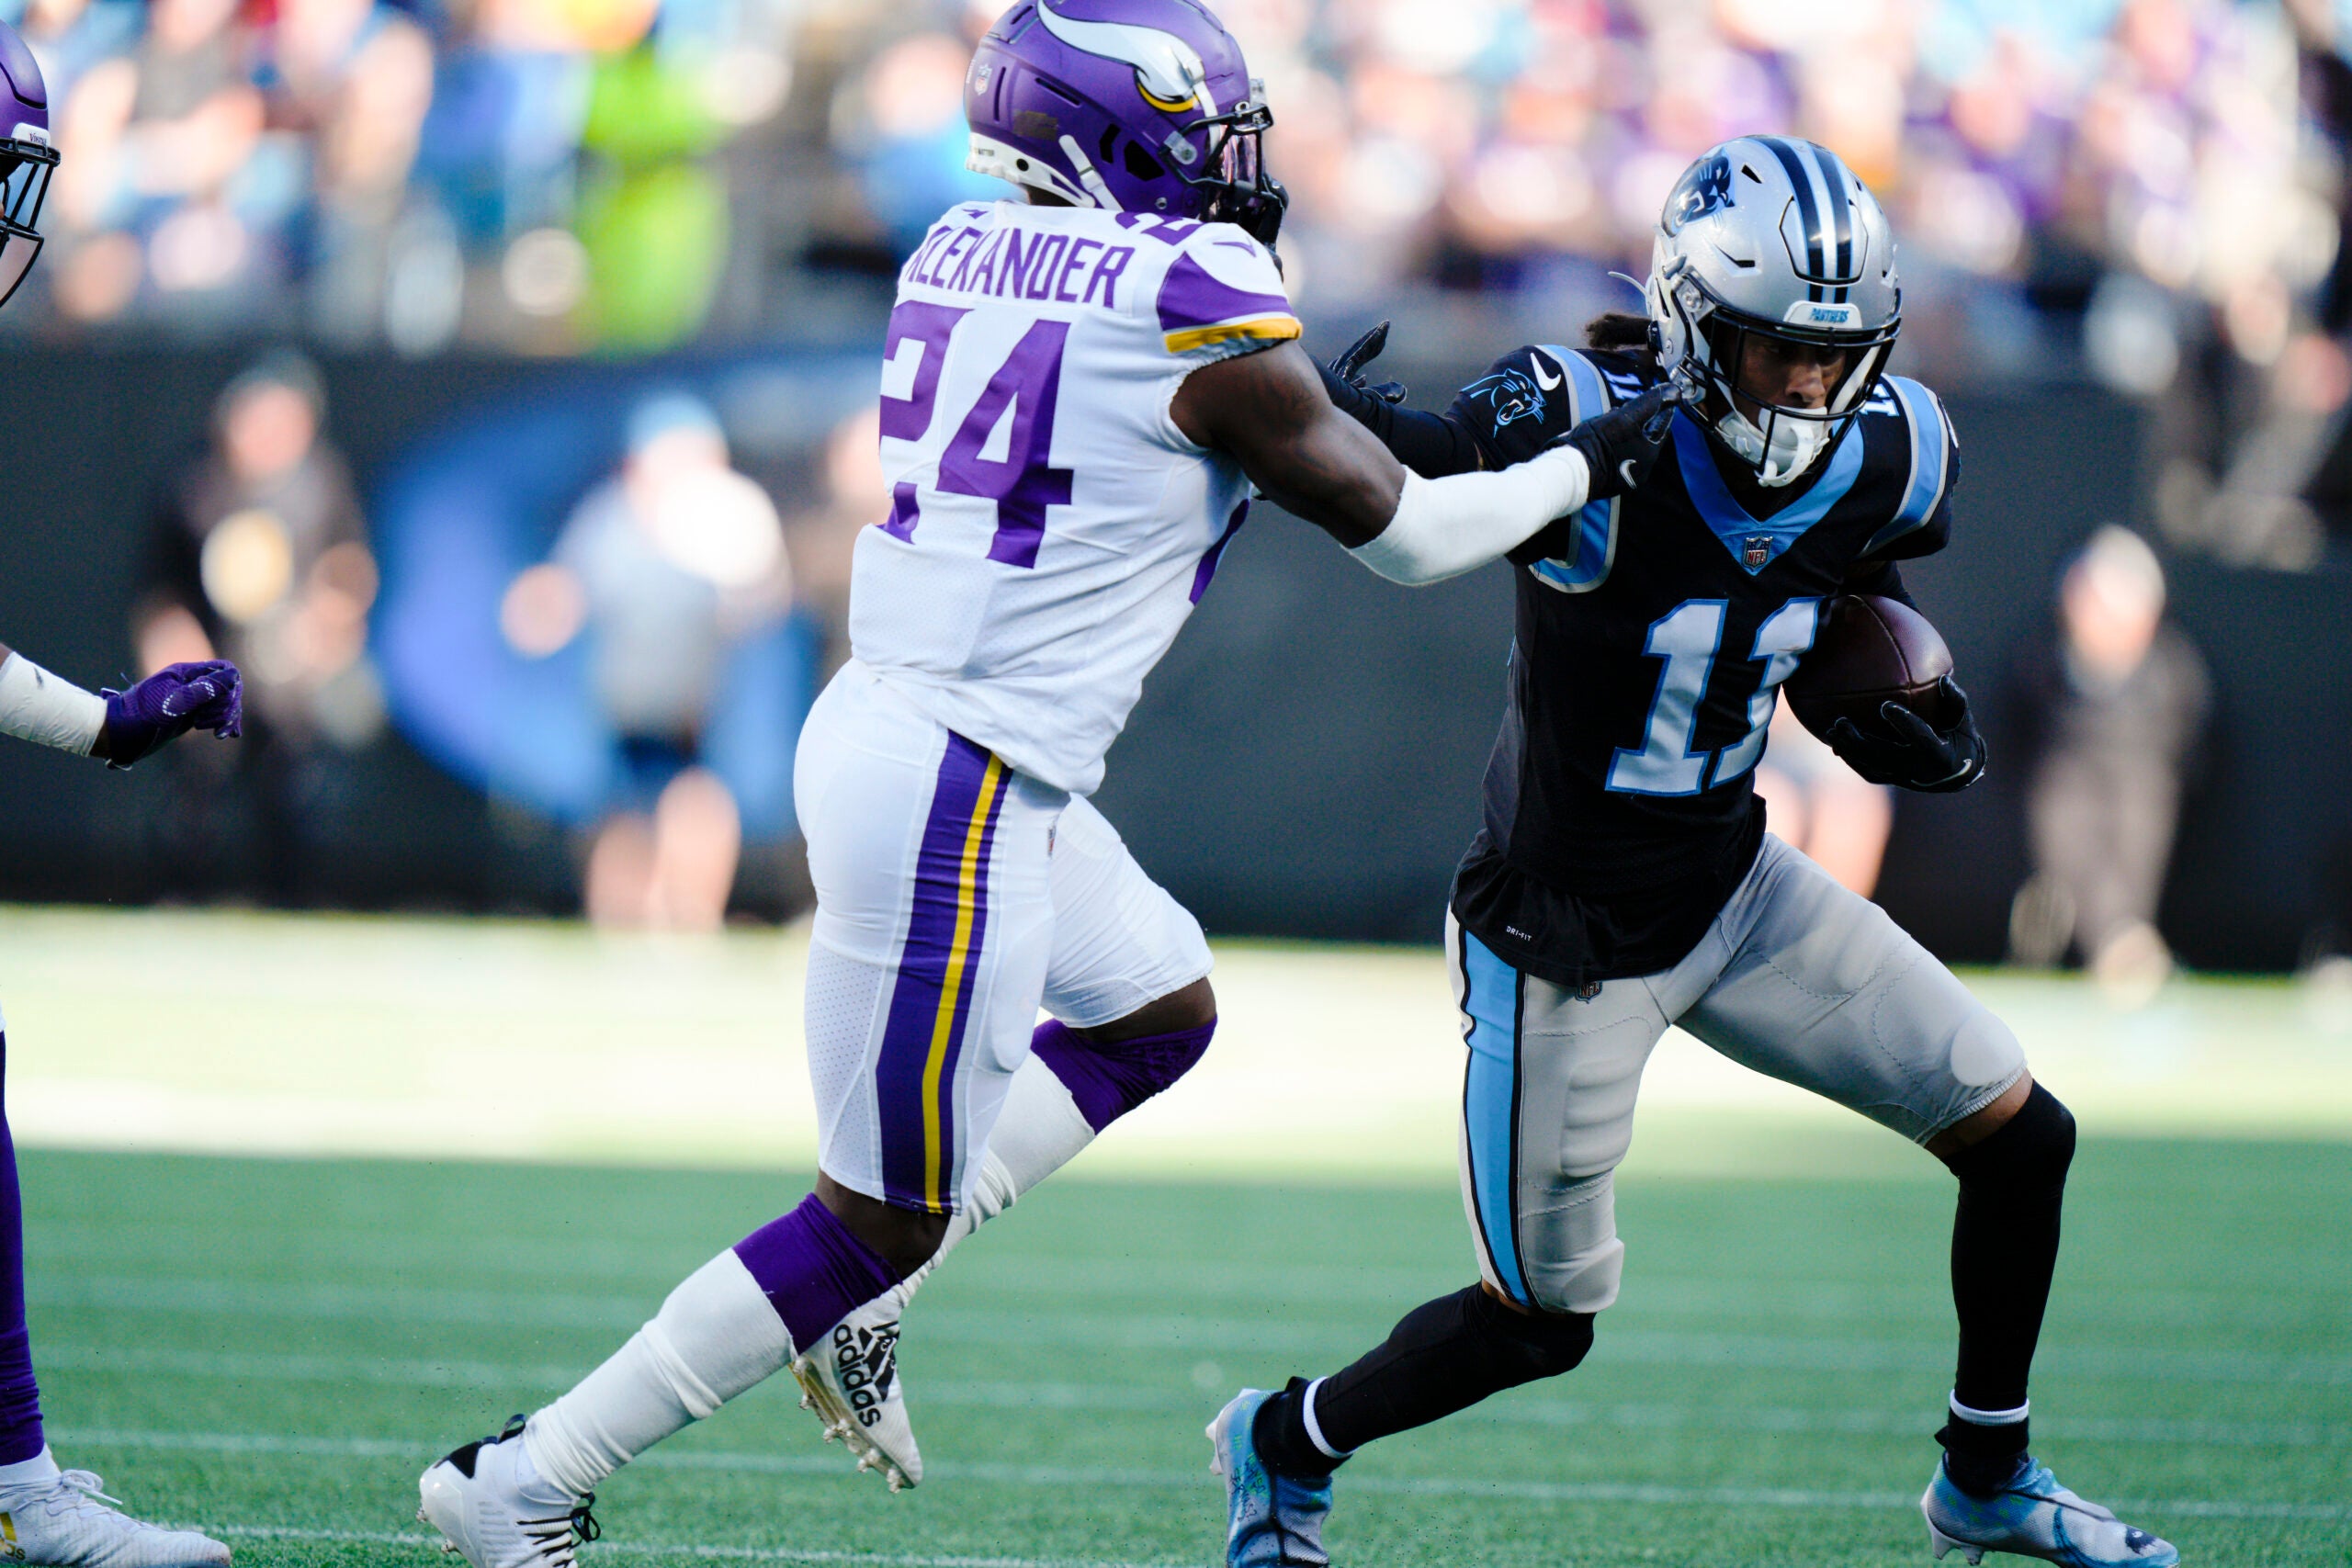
{"type": "Point", "coordinates": [1131, 106]}
{"type": "Point", "coordinates": [1773, 236]}
{"type": "Point", "coordinates": [28, 157]}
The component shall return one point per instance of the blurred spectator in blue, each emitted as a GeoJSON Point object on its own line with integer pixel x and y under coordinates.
{"type": "Point", "coordinates": [2116, 708]}
{"type": "Point", "coordinates": [666, 569]}
{"type": "Point", "coordinates": [499, 153]}
{"type": "Point", "coordinates": [259, 554]}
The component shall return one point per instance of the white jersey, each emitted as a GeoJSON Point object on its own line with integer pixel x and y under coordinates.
{"type": "Point", "coordinates": [1050, 528]}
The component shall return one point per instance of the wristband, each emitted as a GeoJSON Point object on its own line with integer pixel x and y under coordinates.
{"type": "Point", "coordinates": [38, 706]}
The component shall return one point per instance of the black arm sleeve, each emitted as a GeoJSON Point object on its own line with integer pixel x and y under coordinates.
{"type": "Point", "coordinates": [1882, 579]}
{"type": "Point", "coordinates": [1431, 444]}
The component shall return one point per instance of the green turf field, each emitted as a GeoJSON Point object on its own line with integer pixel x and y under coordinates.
{"type": "Point", "coordinates": [273, 1349]}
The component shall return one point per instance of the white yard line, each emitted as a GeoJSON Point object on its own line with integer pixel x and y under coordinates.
{"type": "Point", "coordinates": [1063, 1476]}
{"type": "Point", "coordinates": [706, 1550]}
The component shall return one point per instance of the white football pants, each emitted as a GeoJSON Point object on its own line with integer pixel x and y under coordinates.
{"type": "Point", "coordinates": [955, 896]}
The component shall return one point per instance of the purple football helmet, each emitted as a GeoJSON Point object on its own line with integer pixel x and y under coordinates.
{"type": "Point", "coordinates": [1134, 105]}
{"type": "Point", "coordinates": [27, 159]}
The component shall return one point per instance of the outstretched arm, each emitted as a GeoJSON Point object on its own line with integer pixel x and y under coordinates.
{"type": "Point", "coordinates": [120, 726]}
{"type": "Point", "coordinates": [1269, 411]}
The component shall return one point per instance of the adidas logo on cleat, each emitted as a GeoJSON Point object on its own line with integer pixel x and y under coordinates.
{"type": "Point", "coordinates": [866, 1361]}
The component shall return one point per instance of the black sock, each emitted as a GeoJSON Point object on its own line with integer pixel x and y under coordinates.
{"type": "Point", "coordinates": [1281, 1435]}
{"type": "Point", "coordinates": [1445, 1356]}
{"type": "Point", "coordinates": [2003, 1251]}
{"type": "Point", "coordinates": [1981, 1459]}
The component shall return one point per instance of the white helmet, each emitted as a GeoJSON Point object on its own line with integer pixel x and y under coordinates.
{"type": "Point", "coordinates": [1774, 236]}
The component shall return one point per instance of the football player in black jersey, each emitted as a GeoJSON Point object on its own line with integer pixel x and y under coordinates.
{"type": "Point", "coordinates": [1622, 881]}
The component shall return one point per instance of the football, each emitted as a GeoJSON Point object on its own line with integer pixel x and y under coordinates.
{"type": "Point", "coordinates": [1869, 650]}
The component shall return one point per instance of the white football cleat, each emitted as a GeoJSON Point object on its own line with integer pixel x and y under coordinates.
{"type": "Point", "coordinates": [66, 1521]}
{"type": "Point", "coordinates": [495, 1511]}
{"type": "Point", "coordinates": [2033, 1516]}
{"type": "Point", "coordinates": [851, 1382]}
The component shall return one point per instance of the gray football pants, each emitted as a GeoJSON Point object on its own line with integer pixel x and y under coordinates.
{"type": "Point", "coordinates": [1797, 978]}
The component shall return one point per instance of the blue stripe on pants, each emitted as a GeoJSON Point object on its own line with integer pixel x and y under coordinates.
{"type": "Point", "coordinates": [1490, 1106]}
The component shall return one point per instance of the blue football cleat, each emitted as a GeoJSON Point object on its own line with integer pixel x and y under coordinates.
{"type": "Point", "coordinates": [1274, 1521]}
{"type": "Point", "coordinates": [2035, 1516]}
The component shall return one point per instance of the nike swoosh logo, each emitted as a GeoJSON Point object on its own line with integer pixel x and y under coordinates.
{"type": "Point", "coordinates": [1547, 383]}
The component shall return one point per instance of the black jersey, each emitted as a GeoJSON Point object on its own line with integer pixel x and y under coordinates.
{"type": "Point", "coordinates": [1653, 631]}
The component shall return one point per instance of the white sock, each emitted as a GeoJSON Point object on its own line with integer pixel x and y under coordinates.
{"type": "Point", "coordinates": [715, 1336]}
{"type": "Point", "coordinates": [1038, 1130]}
{"type": "Point", "coordinates": [30, 1472]}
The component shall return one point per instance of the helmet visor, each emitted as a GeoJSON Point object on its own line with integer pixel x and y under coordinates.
{"type": "Point", "coordinates": [25, 168]}
{"type": "Point", "coordinates": [17, 252]}
{"type": "Point", "coordinates": [1245, 194]}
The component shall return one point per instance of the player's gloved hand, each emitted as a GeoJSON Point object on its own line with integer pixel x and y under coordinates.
{"type": "Point", "coordinates": [1348, 367]}
{"type": "Point", "coordinates": [168, 703]}
{"type": "Point", "coordinates": [1621, 443]}
{"type": "Point", "coordinates": [1915, 754]}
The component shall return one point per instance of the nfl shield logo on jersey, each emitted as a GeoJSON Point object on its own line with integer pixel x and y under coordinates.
{"type": "Point", "coordinates": [1756, 552]}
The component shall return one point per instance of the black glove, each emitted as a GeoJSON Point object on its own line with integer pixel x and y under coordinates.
{"type": "Point", "coordinates": [1349, 366]}
{"type": "Point", "coordinates": [1620, 445]}
{"type": "Point", "coordinates": [1914, 753]}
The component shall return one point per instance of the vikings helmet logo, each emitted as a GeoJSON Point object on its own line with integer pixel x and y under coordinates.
{"type": "Point", "coordinates": [1704, 188]}
{"type": "Point", "coordinates": [1168, 73]}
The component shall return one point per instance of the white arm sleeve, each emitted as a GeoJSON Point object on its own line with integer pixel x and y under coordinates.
{"type": "Point", "coordinates": [38, 706]}
{"type": "Point", "coordinates": [1444, 527]}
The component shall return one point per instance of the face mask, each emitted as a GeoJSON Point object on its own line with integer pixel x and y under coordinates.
{"type": "Point", "coordinates": [1794, 443]}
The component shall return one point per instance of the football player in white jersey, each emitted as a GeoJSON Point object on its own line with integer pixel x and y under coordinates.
{"type": "Point", "coordinates": [1078, 391]}
{"type": "Point", "coordinates": [52, 1517]}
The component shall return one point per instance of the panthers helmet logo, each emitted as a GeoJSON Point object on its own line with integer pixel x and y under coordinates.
{"type": "Point", "coordinates": [1704, 188]}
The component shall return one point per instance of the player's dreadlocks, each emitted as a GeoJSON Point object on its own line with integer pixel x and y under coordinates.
{"type": "Point", "coordinates": [1619, 332]}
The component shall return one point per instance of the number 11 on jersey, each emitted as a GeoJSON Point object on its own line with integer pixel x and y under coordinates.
{"type": "Point", "coordinates": [1688, 638]}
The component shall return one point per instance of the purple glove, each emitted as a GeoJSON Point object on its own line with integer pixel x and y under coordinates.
{"type": "Point", "coordinates": [174, 700]}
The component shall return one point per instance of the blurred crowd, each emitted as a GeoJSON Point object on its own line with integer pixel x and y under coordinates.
{"type": "Point", "coordinates": [559, 173]}
{"type": "Point", "coordinates": [2149, 189]}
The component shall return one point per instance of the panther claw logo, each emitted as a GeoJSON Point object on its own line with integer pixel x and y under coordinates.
{"type": "Point", "coordinates": [866, 1361]}
{"type": "Point", "coordinates": [1705, 188]}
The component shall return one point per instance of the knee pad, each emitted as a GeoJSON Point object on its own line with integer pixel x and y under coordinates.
{"type": "Point", "coordinates": [1569, 1253]}
{"type": "Point", "coordinates": [1109, 1080]}
{"type": "Point", "coordinates": [1525, 1347]}
{"type": "Point", "coordinates": [2032, 1149]}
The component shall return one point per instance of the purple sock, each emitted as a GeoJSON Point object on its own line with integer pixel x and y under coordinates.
{"type": "Point", "coordinates": [20, 1432]}
{"type": "Point", "coordinates": [814, 1270]}
{"type": "Point", "coordinates": [1108, 1081]}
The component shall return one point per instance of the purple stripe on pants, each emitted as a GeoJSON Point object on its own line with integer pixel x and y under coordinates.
{"type": "Point", "coordinates": [918, 989]}
{"type": "Point", "coordinates": [20, 1432]}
